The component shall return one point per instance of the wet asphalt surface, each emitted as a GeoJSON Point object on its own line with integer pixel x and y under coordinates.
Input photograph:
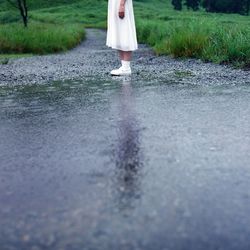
{"type": "Point", "coordinates": [138, 163]}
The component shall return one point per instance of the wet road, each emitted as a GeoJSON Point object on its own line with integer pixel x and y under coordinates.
{"type": "Point", "coordinates": [123, 164]}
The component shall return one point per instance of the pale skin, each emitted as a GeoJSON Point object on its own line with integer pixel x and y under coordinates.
{"type": "Point", "coordinates": [124, 55]}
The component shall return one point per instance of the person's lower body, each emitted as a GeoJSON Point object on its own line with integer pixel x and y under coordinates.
{"type": "Point", "coordinates": [125, 69]}
{"type": "Point", "coordinates": [121, 35]}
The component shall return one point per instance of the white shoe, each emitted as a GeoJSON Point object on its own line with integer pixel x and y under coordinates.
{"type": "Point", "coordinates": [121, 71]}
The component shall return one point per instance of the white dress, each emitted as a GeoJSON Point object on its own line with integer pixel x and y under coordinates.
{"type": "Point", "coordinates": [121, 33]}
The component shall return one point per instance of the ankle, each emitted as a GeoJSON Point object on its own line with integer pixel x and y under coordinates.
{"type": "Point", "coordinates": [125, 64]}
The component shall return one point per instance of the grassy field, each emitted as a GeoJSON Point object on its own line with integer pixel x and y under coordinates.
{"type": "Point", "coordinates": [220, 38]}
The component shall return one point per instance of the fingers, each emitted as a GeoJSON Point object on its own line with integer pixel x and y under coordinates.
{"type": "Point", "coordinates": [121, 14]}
{"type": "Point", "coordinates": [121, 11]}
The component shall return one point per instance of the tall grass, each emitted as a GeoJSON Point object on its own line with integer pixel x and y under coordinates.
{"type": "Point", "coordinates": [198, 38]}
{"type": "Point", "coordinates": [219, 38]}
{"type": "Point", "coordinates": [39, 38]}
{"type": "Point", "coordinates": [229, 45]}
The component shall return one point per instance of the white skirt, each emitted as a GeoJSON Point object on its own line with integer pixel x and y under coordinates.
{"type": "Point", "coordinates": [121, 33]}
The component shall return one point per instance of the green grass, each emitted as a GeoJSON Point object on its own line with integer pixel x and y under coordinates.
{"type": "Point", "coordinates": [199, 39]}
{"type": "Point", "coordinates": [39, 38]}
{"type": "Point", "coordinates": [220, 38]}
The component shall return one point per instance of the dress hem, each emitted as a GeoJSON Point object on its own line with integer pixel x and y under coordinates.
{"type": "Point", "coordinates": [118, 48]}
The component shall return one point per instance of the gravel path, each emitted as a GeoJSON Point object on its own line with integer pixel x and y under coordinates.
{"type": "Point", "coordinates": [92, 58]}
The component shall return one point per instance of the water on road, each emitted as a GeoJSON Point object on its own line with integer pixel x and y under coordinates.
{"type": "Point", "coordinates": [122, 164]}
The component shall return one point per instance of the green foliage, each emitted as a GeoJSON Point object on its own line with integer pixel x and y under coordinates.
{"type": "Point", "coordinates": [220, 38]}
{"type": "Point", "coordinates": [90, 13]}
{"type": "Point", "coordinates": [9, 17]}
{"type": "Point", "coordinates": [38, 4]}
{"type": "Point", "coordinates": [187, 40]}
{"type": "Point", "coordinates": [193, 4]}
{"type": "Point", "coordinates": [39, 38]}
{"type": "Point", "coordinates": [230, 46]}
{"type": "Point", "coordinates": [227, 6]}
{"type": "Point", "coordinates": [181, 39]}
{"type": "Point", "coordinates": [199, 39]}
{"type": "Point", "coordinates": [177, 4]}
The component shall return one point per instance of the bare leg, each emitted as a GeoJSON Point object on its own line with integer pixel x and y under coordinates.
{"type": "Point", "coordinates": [125, 55]}
{"type": "Point", "coordinates": [120, 54]}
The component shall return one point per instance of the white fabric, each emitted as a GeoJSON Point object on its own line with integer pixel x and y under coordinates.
{"type": "Point", "coordinates": [121, 33]}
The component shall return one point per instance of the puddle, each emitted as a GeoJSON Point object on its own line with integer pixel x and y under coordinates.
{"type": "Point", "coordinates": [119, 164]}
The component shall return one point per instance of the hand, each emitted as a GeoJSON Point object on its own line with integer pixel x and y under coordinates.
{"type": "Point", "coordinates": [122, 11]}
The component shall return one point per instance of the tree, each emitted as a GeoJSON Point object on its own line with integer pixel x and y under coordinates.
{"type": "Point", "coordinates": [227, 6]}
{"type": "Point", "coordinates": [247, 7]}
{"type": "Point", "coordinates": [193, 4]}
{"type": "Point", "coordinates": [177, 4]}
{"type": "Point", "coordinates": [207, 5]}
{"type": "Point", "coordinates": [21, 5]}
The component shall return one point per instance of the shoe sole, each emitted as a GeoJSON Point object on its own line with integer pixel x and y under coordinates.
{"type": "Point", "coordinates": [121, 74]}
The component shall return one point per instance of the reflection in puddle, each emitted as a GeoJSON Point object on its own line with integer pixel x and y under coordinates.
{"type": "Point", "coordinates": [128, 157]}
